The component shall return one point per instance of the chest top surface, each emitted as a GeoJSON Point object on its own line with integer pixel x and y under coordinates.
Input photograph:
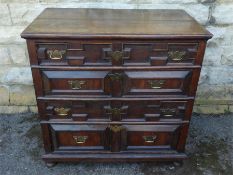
{"type": "Point", "coordinates": [114, 23]}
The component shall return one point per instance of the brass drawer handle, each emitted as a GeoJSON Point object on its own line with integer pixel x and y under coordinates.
{"type": "Point", "coordinates": [76, 84]}
{"type": "Point", "coordinates": [168, 112]}
{"type": "Point", "coordinates": [156, 84]}
{"type": "Point", "coordinates": [176, 55]}
{"type": "Point", "coordinates": [56, 54]}
{"type": "Point", "coordinates": [149, 139]}
{"type": "Point", "coordinates": [80, 139]}
{"type": "Point", "coordinates": [168, 115]}
{"type": "Point", "coordinates": [62, 111]}
{"type": "Point", "coordinates": [117, 55]}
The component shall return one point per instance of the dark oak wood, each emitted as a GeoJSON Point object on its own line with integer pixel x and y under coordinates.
{"type": "Point", "coordinates": [112, 110]}
{"type": "Point", "coordinates": [106, 23]}
{"type": "Point", "coordinates": [137, 53]}
{"type": "Point", "coordinates": [115, 85]}
{"type": "Point", "coordinates": [116, 157]}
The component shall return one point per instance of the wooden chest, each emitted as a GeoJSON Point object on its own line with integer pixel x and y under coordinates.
{"type": "Point", "coordinates": [115, 85]}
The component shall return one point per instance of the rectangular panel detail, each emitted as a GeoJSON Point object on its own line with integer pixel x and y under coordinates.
{"type": "Point", "coordinates": [76, 110]}
{"type": "Point", "coordinates": [127, 110]}
{"type": "Point", "coordinates": [152, 137]}
{"type": "Point", "coordinates": [160, 54]}
{"type": "Point", "coordinates": [74, 53]}
{"type": "Point", "coordinates": [79, 137]}
{"type": "Point", "coordinates": [164, 110]}
{"type": "Point", "coordinates": [157, 82]}
{"type": "Point", "coordinates": [75, 82]}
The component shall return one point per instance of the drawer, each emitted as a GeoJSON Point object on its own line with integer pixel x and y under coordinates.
{"type": "Point", "coordinates": [75, 110]}
{"type": "Point", "coordinates": [75, 82]}
{"type": "Point", "coordinates": [114, 138]}
{"type": "Point", "coordinates": [155, 110]}
{"type": "Point", "coordinates": [107, 53]}
{"type": "Point", "coordinates": [157, 82]}
{"type": "Point", "coordinates": [106, 83]}
{"type": "Point", "coordinates": [74, 53]}
{"type": "Point", "coordinates": [106, 110]}
{"type": "Point", "coordinates": [151, 137]}
{"type": "Point", "coordinates": [159, 53]}
{"type": "Point", "coordinates": [79, 137]}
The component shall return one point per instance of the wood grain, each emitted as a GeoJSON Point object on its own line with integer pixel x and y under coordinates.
{"type": "Point", "coordinates": [107, 23]}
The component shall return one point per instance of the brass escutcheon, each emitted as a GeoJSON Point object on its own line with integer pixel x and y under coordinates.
{"type": "Point", "coordinates": [56, 54]}
{"type": "Point", "coordinates": [156, 84]}
{"type": "Point", "coordinates": [80, 139]}
{"type": "Point", "coordinates": [76, 84]}
{"type": "Point", "coordinates": [149, 139]}
{"type": "Point", "coordinates": [62, 111]}
{"type": "Point", "coordinates": [176, 55]}
{"type": "Point", "coordinates": [115, 111]}
{"type": "Point", "coordinates": [115, 128]}
{"type": "Point", "coordinates": [117, 55]}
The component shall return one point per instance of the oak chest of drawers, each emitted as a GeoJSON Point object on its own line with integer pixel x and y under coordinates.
{"type": "Point", "coordinates": [115, 85]}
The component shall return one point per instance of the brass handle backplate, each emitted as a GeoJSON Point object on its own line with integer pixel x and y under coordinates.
{"type": "Point", "coordinates": [115, 128]}
{"type": "Point", "coordinates": [80, 139]}
{"type": "Point", "coordinates": [56, 54]}
{"type": "Point", "coordinates": [156, 84]}
{"type": "Point", "coordinates": [116, 55]}
{"type": "Point", "coordinates": [114, 111]}
{"type": "Point", "coordinates": [62, 111]}
{"type": "Point", "coordinates": [176, 55]}
{"type": "Point", "coordinates": [149, 139]}
{"type": "Point", "coordinates": [76, 84]}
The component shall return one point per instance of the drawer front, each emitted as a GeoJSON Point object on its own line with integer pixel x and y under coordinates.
{"type": "Point", "coordinates": [75, 110]}
{"type": "Point", "coordinates": [159, 53]}
{"type": "Point", "coordinates": [149, 137]}
{"type": "Point", "coordinates": [114, 138]}
{"type": "Point", "coordinates": [157, 82]}
{"type": "Point", "coordinates": [106, 83]}
{"type": "Point", "coordinates": [79, 137]}
{"type": "Point", "coordinates": [116, 53]}
{"type": "Point", "coordinates": [74, 53]}
{"type": "Point", "coordinates": [75, 82]}
{"type": "Point", "coordinates": [163, 111]}
{"type": "Point", "coordinates": [106, 110]}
